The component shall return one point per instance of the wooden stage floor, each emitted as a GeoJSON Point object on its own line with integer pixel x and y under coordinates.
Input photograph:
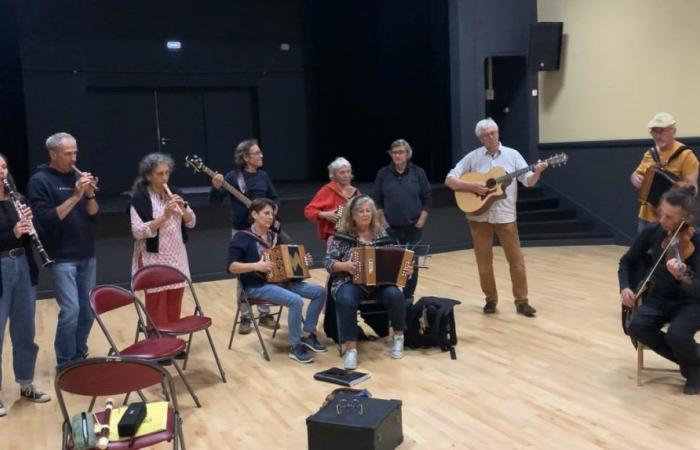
{"type": "Point", "coordinates": [565, 379]}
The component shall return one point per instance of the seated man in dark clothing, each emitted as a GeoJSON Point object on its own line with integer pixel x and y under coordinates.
{"type": "Point", "coordinates": [675, 295]}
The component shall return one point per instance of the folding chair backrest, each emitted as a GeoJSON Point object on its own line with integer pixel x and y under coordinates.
{"type": "Point", "coordinates": [108, 376]}
{"type": "Point", "coordinates": [157, 275]}
{"type": "Point", "coordinates": [107, 298]}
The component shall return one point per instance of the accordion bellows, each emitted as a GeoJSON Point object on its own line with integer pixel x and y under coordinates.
{"type": "Point", "coordinates": [288, 263]}
{"type": "Point", "coordinates": [381, 265]}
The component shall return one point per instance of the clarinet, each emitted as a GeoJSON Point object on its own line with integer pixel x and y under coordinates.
{"type": "Point", "coordinates": [17, 203]}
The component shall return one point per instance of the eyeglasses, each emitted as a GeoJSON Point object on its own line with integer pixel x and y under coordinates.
{"type": "Point", "coordinates": [657, 130]}
{"type": "Point", "coordinates": [258, 153]}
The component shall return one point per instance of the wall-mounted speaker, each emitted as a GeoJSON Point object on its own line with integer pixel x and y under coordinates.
{"type": "Point", "coordinates": [545, 45]}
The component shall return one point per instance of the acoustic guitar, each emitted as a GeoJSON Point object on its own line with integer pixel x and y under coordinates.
{"type": "Point", "coordinates": [496, 180]}
{"type": "Point", "coordinates": [197, 164]}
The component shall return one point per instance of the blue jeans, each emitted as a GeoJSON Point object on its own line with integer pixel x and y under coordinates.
{"type": "Point", "coordinates": [347, 301]}
{"type": "Point", "coordinates": [18, 303]}
{"type": "Point", "coordinates": [74, 280]}
{"type": "Point", "coordinates": [290, 295]}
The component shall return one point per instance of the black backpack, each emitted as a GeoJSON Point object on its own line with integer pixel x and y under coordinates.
{"type": "Point", "coordinates": [430, 322]}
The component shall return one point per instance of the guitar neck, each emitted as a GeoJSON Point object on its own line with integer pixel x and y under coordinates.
{"type": "Point", "coordinates": [229, 187]}
{"type": "Point", "coordinates": [514, 174]}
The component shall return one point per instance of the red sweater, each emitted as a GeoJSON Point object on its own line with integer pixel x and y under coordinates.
{"type": "Point", "coordinates": [328, 198]}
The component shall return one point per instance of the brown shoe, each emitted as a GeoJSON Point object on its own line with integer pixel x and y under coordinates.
{"type": "Point", "coordinates": [245, 327]}
{"type": "Point", "coordinates": [526, 310]}
{"type": "Point", "coordinates": [490, 308]}
{"type": "Point", "coordinates": [267, 321]}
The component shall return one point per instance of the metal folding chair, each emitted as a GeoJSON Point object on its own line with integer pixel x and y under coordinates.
{"type": "Point", "coordinates": [154, 276]}
{"type": "Point", "coordinates": [250, 302]}
{"type": "Point", "coordinates": [111, 376]}
{"type": "Point", "coordinates": [155, 348]}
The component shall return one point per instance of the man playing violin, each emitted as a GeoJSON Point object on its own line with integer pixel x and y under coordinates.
{"type": "Point", "coordinates": [674, 297]}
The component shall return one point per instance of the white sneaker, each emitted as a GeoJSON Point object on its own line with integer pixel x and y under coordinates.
{"type": "Point", "coordinates": [3, 411]}
{"type": "Point", "coordinates": [350, 361]}
{"type": "Point", "coordinates": [397, 347]}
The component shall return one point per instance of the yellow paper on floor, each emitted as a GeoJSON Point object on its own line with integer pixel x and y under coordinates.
{"type": "Point", "coordinates": [156, 420]}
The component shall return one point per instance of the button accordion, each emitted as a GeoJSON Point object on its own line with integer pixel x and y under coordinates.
{"type": "Point", "coordinates": [288, 263]}
{"type": "Point", "coordinates": [655, 184]}
{"type": "Point", "coordinates": [381, 265]}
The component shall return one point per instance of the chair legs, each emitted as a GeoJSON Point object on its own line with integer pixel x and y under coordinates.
{"type": "Point", "coordinates": [277, 322]}
{"type": "Point", "coordinates": [640, 364]}
{"type": "Point", "coordinates": [216, 356]}
{"type": "Point", "coordinates": [187, 383]}
{"type": "Point", "coordinates": [237, 319]}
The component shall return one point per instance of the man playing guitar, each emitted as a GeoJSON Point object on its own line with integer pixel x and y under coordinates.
{"type": "Point", "coordinates": [251, 180]}
{"type": "Point", "coordinates": [500, 217]}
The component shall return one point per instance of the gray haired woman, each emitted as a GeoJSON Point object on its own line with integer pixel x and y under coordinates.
{"type": "Point", "coordinates": [324, 208]}
{"type": "Point", "coordinates": [159, 223]}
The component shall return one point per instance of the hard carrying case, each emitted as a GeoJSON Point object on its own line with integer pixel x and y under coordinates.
{"type": "Point", "coordinates": [351, 423]}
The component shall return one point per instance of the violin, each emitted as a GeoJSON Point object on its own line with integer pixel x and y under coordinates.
{"type": "Point", "coordinates": [676, 245]}
{"type": "Point", "coordinates": [681, 246]}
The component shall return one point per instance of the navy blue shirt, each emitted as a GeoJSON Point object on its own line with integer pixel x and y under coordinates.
{"type": "Point", "coordinates": [73, 237]}
{"type": "Point", "coordinates": [258, 185]}
{"type": "Point", "coordinates": [402, 196]}
{"type": "Point", "coordinates": [244, 248]}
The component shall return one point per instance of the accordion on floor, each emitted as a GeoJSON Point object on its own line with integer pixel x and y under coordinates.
{"type": "Point", "coordinates": [288, 263]}
{"type": "Point", "coordinates": [381, 265]}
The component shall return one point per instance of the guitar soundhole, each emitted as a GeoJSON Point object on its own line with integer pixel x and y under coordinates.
{"type": "Point", "coordinates": [491, 183]}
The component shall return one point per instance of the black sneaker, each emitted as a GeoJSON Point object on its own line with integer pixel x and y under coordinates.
{"type": "Point", "coordinates": [33, 394]}
{"type": "Point", "coordinates": [245, 327]}
{"type": "Point", "coordinates": [298, 352]}
{"type": "Point", "coordinates": [526, 310]}
{"type": "Point", "coordinates": [268, 321]}
{"type": "Point", "coordinates": [490, 308]}
{"type": "Point", "coordinates": [311, 342]}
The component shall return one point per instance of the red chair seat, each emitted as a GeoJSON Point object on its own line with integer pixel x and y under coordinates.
{"type": "Point", "coordinates": [155, 348]}
{"type": "Point", "coordinates": [185, 325]}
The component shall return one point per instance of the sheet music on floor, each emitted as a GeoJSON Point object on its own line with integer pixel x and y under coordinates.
{"type": "Point", "coordinates": [341, 376]}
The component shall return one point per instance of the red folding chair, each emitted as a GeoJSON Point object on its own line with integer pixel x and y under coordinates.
{"type": "Point", "coordinates": [154, 348]}
{"type": "Point", "coordinates": [114, 376]}
{"type": "Point", "coordinates": [157, 275]}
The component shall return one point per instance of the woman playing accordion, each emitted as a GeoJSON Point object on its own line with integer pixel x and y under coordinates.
{"type": "Point", "coordinates": [245, 259]}
{"type": "Point", "coordinates": [359, 227]}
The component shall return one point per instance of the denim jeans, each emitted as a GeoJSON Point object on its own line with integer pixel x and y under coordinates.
{"type": "Point", "coordinates": [406, 236]}
{"type": "Point", "coordinates": [73, 280]}
{"type": "Point", "coordinates": [18, 303]}
{"type": "Point", "coordinates": [348, 298]}
{"type": "Point", "coordinates": [290, 295]}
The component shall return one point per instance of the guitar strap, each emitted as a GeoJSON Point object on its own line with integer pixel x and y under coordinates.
{"type": "Point", "coordinates": [241, 181]}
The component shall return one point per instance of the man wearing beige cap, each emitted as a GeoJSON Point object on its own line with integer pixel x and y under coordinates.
{"type": "Point", "coordinates": [670, 154]}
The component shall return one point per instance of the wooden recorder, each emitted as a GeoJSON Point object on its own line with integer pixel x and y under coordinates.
{"type": "Point", "coordinates": [288, 263]}
{"type": "Point", "coordinates": [381, 265]}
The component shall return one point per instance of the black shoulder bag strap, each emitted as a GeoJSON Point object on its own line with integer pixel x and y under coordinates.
{"type": "Point", "coordinates": [677, 153]}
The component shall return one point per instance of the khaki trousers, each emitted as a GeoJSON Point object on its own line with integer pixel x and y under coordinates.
{"type": "Point", "coordinates": [482, 235]}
